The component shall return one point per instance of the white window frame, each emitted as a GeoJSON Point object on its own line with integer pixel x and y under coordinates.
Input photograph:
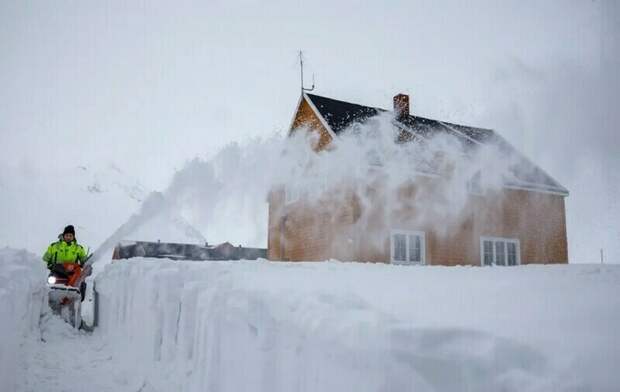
{"type": "Point", "coordinates": [407, 233]}
{"type": "Point", "coordinates": [494, 240]}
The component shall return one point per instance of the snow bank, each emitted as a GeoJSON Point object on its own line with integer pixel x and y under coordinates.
{"type": "Point", "coordinates": [260, 326]}
{"type": "Point", "coordinates": [22, 295]}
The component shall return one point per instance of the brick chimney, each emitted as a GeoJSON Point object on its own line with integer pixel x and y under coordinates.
{"type": "Point", "coordinates": [401, 106]}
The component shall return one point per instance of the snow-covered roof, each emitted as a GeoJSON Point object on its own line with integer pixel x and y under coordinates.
{"type": "Point", "coordinates": [339, 115]}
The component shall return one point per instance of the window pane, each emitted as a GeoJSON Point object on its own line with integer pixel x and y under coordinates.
{"type": "Point", "coordinates": [474, 184]}
{"type": "Point", "coordinates": [400, 247]}
{"type": "Point", "coordinates": [500, 253]}
{"type": "Point", "coordinates": [415, 249]}
{"type": "Point", "coordinates": [512, 253]}
{"type": "Point", "coordinates": [488, 252]}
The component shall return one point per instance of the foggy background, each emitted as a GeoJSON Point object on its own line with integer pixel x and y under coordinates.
{"type": "Point", "coordinates": [144, 87]}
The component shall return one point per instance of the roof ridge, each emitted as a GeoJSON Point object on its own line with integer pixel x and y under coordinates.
{"type": "Point", "coordinates": [347, 102]}
{"type": "Point", "coordinates": [410, 115]}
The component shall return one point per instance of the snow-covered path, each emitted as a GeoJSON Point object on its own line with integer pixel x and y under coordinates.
{"type": "Point", "coordinates": [66, 360]}
{"type": "Point", "coordinates": [40, 352]}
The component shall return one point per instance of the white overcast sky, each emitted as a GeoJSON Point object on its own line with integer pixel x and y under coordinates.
{"type": "Point", "coordinates": [148, 85]}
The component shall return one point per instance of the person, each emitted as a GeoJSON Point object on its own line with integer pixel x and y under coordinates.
{"type": "Point", "coordinates": [65, 250]}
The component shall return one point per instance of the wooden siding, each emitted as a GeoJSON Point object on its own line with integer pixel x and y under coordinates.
{"type": "Point", "coordinates": [306, 117]}
{"type": "Point", "coordinates": [321, 231]}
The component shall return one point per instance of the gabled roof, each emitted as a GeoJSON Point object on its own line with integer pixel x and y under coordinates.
{"type": "Point", "coordinates": [339, 115]}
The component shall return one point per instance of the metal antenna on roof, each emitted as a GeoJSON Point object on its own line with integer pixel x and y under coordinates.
{"type": "Point", "coordinates": [301, 67]}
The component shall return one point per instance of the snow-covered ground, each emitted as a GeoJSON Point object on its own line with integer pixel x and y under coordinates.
{"type": "Point", "coordinates": [262, 326]}
{"type": "Point", "coordinates": [62, 359]}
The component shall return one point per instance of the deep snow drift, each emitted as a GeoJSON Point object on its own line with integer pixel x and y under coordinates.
{"type": "Point", "coordinates": [260, 326]}
{"type": "Point", "coordinates": [22, 295]}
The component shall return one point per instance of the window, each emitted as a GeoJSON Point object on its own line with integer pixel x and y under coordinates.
{"type": "Point", "coordinates": [474, 185]}
{"type": "Point", "coordinates": [407, 247]}
{"type": "Point", "coordinates": [400, 248]}
{"type": "Point", "coordinates": [499, 251]}
{"type": "Point", "coordinates": [291, 194]}
{"type": "Point", "coordinates": [512, 253]}
{"type": "Point", "coordinates": [488, 253]}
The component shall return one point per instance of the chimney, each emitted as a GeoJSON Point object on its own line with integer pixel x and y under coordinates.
{"type": "Point", "coordinates": [401, 106]}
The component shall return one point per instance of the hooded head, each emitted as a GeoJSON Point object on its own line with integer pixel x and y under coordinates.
{"type": "Point", "coordinates": [68, 234]}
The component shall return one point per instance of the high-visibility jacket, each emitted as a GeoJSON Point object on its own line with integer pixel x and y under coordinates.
{"type": "Point", "coordinates": [63, 252]}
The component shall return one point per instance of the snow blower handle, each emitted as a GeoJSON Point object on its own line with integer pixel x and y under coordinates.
{"type": "Point", "coordinates": [86, 269]}
{"type": "Point", "coordinates": [87, 257]}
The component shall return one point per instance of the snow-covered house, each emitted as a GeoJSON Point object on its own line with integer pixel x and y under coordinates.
{"type": "Point", "coordinates": [521, 221]}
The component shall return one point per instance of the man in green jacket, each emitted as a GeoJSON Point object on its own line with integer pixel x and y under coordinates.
{"type": "Point", "coordinates": [65, 250]}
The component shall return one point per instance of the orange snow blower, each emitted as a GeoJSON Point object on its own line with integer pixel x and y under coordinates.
{"type": "Point", "coordinates": [66, 291]}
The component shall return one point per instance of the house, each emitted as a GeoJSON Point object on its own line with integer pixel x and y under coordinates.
{"type": "Point", "coordinates": [521, 221]}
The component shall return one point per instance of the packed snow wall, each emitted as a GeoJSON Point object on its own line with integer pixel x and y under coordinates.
{"type": "Point", "coordinates": [261, 326]}
{"type": "Point", "coordinates": [22, 298]}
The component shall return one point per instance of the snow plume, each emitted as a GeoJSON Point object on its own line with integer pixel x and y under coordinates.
{"type": "Point", "coordinates": [156, 221]}
{"type": "Point", "coordinates": [368, 159]}
{"type": "Point", "coordinates": [225, 197]}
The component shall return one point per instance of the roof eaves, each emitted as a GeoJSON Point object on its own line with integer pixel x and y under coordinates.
{"type": "Point", "coordinates": [556, 184]}
{"type": "Point", "coordinates": [558, 188]}
{"type": "Point", "coordinates": [531, 187]}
